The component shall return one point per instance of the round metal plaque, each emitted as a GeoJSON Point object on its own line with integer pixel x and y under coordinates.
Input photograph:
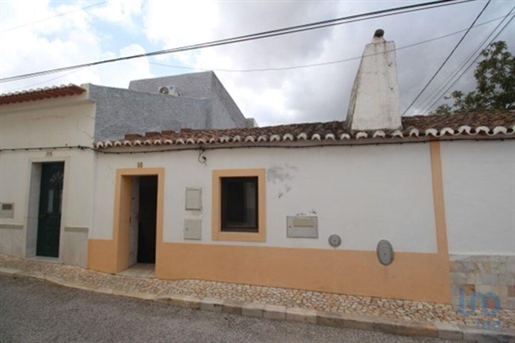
{"type": "Point", "coordinates": [385, 252]}
{"type": "Point", "coordinates": [335, 241]}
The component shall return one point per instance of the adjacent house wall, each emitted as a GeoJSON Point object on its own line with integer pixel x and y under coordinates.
{"type": "Point", "coordinates": [121, 111]}
{"type": "Point", "coordinates": [479, 184]}
{"type": "Point", "coordinates": [194, 85]}
{"type": "Point", "coordinates": [60, 122]}
{"type": "Point", "coordinates": [224, 113]}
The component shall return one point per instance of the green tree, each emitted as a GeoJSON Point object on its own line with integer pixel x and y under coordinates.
{"type": "Point", "coordinates": [495, 89]}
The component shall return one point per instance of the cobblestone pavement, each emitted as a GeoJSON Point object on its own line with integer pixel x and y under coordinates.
{"type": "Point", "coordinates": [349, 304]}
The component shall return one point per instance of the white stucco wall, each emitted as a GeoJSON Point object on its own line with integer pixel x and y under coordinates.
{"type": "Point", "coordinates": [479, 187]}
{"type": "Point", "coordinates": [364, 194]}
{"type": "Point", "coordinates": [53, 122]}
{"type": "Point", "coordinates": [59, 122]}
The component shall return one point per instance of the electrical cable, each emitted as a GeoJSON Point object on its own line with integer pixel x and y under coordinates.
{"type": "Point", "coordinates": [283, 68]}
{"type": "Point", "coordinates": [465, 66]}
{"type": "Point", "coordinates": [437, 92]}
{"type": "Point", "coordinates": [446, 60]}
{"type": "Point", "coordinates": [256, 36]}
{"type": "Point", "coordinates": [202, 148]}
{"type": "Point", "coordinates": [55, 16]}
{"type": "Point", "coordinates": [469, 62]}
{"type": "Point", "coordinates": [322, 63]}
{"type": "Point", "coordinates": [470, 65]}
{"type": "Point", "coordinates": [45, 81]}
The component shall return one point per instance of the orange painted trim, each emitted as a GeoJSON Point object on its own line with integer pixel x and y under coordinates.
{"type": "Point", "coordinates": [216, 220]}
{"type": "Point", "coordinates": [102, 255]}
{"type": "Point", "coordinates": [115, 257]}
{"type": "Point", "coordinates": [440, 221]}
{"type": "Point", "coordinates": [438, 199]}
{"type": "Point", "coordinates": [413, 276]}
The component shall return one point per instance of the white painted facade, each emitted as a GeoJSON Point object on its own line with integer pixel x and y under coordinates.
{"type": "Point", "coordinates": [479, 187]}
{"type": "Point", "coordinates": [59, 122]}
{"type": "Point", "coordinates": [364, 194]}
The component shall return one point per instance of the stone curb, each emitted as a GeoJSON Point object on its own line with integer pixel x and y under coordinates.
{"type": "Point", "coordinates": [211, 304]}
{"type": "Point", "coordinates": [8, 271]}
{"type": "Point", "coordinates": [275, 312]}
{"type": "Point", "coordinates": [488, 336]}
{"type": "Point", "coordinates": [184, 301]}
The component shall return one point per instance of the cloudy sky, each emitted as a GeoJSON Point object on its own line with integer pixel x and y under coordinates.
{"type": "Point", "coordinates": [39, 35]}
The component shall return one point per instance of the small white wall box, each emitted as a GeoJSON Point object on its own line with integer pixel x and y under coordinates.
{"type": "Point", "coordinates": [6, 210]}
{"type": "Point", "coordinates": [193, 199]}
{"type": "Point", "coordinates": [302, 227]}
{"type": "Point", "coordinates": [193, 229]}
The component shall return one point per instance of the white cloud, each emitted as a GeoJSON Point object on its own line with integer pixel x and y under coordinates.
{"type": "Point", "coordinates": [47, 41]}
{"type": "Point", "coordinates": [31, 52]}
{"type": "Point", "coordinates": [120, 12]}
{"type": "Point", "coordinates": [271, 97]}
{"type": "Point", "coordinates": [121, 73]}
{"type": "Point", "coordinates": [176, 23]}
{"type": "Point", "coordinates": [266, 96]}
{"type": "Point", "coordinates": [14, 13]}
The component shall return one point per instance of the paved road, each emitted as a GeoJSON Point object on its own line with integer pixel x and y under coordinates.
{"type": "Point", "coordinates": [35, 311]}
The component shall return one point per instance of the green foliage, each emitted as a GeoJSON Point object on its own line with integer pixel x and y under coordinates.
{"type": "Point", "coordinates": [495, 89]}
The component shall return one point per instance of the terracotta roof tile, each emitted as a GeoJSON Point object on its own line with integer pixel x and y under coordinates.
{"type": "Point", "coordinates": [479, 125]}
{"type": "Point", "coordinates": [40, 94]}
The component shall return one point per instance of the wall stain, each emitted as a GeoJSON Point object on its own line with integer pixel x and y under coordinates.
{"type": "Point", "coordinates": [281, 175]}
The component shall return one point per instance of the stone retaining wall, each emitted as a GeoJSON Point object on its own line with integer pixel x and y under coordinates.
{"type": "Point", "coordinates": [483, 274]}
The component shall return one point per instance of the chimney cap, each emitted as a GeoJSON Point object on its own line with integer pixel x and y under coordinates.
{"type": "Point", "coordinates": [379, 33]}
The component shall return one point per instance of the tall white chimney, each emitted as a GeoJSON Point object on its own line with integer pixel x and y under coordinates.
{"type": "Point", "coordinates": [374, 103]}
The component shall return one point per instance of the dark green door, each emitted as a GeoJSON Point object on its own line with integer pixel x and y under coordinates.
{"type": "Point", "coordinates": [50, 201]}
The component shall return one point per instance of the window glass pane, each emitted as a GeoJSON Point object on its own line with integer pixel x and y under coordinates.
{"type": "Point", "coordinates": [250, 203]}
{"type": "Point", "coordinates": [50, 204]}
{"type": "Point", "coordinates": [239, 204]}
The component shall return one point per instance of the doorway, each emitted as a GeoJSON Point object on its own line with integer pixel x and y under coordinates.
{"type": "Point", "coordinates": [138, 218]}
{"type": "Point", "coordinates": [50, 206]}
{"type": "Point", "coordinates": [147, 214]}
{"type": "Point", "coordinates": [143, 220]}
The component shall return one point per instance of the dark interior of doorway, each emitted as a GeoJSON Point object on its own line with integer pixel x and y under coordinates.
{"type": "Point", "coordinates": [147, 219]}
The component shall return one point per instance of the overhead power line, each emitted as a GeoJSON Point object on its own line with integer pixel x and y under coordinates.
{"type": "Point", "coordinates": [256, 36]}
{"type": "Point", "coordinates": [293, 67]}
{"type": "Point", "coordinates": [55, 16]}
{"type": "Point", "coordinates": [323, 63]}
{"type": "Point", "coordinates": [289, 67]}
{"type": "Point", "coordinates": [467, 64]}
{"type": "Point", "coordinates": [447, 59]}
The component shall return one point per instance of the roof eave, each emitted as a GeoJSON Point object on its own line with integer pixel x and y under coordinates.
{"type": "Point", "coordinates": [41, 94]}
{"type": "Point", "coordinates": [144, 146]}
